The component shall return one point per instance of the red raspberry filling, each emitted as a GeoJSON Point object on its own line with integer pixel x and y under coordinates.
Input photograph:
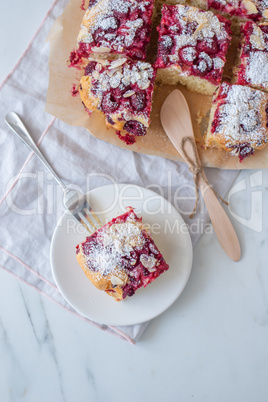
{"type": "Point", "coordinates": [133, 262]}
{"type": "Point", "coordinates": [127, 139]}
{"type": "Point", "coordinates": [124, 28]}
{"type": "Point", "coordinates": [249, 118]}
{"type": "Point", "coordinates": [236, 8]}
{"type": "Point", "coordinates": [243, 150]}
{"type": "Point", "coordinates": [77, 55]}
{"type": "Point", "coordinates": [126, 96]}
{"type": "Point", "coordinates": [248, 50]}
{"type": "Point", "coordinates": [201, 56]}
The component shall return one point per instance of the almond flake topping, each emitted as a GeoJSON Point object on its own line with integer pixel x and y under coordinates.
{"type": "Point", "coordinates": [114, 243]}
{"type": "Point", "coordinates": [240, 115]}
{"type": "Point", "coordinates": [105, 16]}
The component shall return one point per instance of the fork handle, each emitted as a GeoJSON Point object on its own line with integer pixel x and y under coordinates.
{"type": "Point", "coordinates": [15, 123]}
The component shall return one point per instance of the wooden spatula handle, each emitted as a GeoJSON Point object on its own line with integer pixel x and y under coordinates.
{"type": "Point", "coordinates": [220, 221]}
{"type": "Point", "coordinates": [176, 120]}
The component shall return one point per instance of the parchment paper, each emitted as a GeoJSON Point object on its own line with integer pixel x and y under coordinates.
{"type": "Point", "coordinates": [69, 109]}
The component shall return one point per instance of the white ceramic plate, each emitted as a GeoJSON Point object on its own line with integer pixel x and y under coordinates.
{"type": "Point", "coordinates": [169, 233]}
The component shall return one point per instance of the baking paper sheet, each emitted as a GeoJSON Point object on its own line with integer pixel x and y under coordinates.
{"type": "Point", "coordinates": [69, 109]}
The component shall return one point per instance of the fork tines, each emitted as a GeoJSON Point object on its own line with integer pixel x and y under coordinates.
{"type": "Point", "coordinates": [91, 219]}
{"type": "Point", "coordinates": [78, 205]}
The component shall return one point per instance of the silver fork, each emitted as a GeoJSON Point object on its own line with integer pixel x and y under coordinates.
{"type": "Point", "coordinates": [74, 200]}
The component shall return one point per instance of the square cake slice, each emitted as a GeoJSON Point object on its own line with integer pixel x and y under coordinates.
{"type": "Point", "coordinates": [114, 27]}
{"type": "Point", "coordinates": [241, 9]}
{"type": "Point", "coordinates": [238, 120]}
{"type": "Point", "coordinates": [192, 48]}
{"type": "Point", "coordinates": [122, 90]}
{"type": "Point", "coordinates": [121, 257]}
{"type": "Point", "coordinates": [253, 64]}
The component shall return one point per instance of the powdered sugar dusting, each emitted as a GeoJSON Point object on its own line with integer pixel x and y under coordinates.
{"type": "Point", "coordinates": [206, 59]}
{"type": "Point", "coordinates": [166, 41]}
{"type": "Point", "coordinates": [218, 63]}
{"type": "Point", "coordinates": [131, 29]}
{"type": "Point", "coordinates": [125, 74]}
{"type": "Point", "coordinates": [208, 25]}
{"type": "Point", "coordinates": [193, 39]}
{"type": "Point", "coordinates": [241, 7]}
{"type": "Point", "coordinates": [258, 39]}
{"type": "Point", "coordinates": [257, 69]}
{"type": "Point", "coordinates": [114, 243]}
{"type": "Point", "coordinates": [122, 90]}
{"type": "Point", "coordinates": [121, 256]}
{"type": "Point", "coordinates": [253, 69]}
{"type": "Point", "coordinates": [189, 53]}
{"type": "Point", "coordinates": [240, 115]}
{"type": "Point", "coordinates": [108, 23]}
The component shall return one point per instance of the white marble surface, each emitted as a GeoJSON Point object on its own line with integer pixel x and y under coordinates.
{"type": "Point", "coordinates": [211, 345]}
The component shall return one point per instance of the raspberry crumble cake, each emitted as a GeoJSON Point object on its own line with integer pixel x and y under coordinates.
{"type": "Point", "coordinates": [242, 9]}
{"type": "Point", "coordinates": [253, 67]}
{"type": "Point", "coordinates": [121, 257]}
{"type": "Point", "coordinates": [122, 90]}
{"type": "Point", "coordinates": [238, 120]}
{"type": "Point", "coordinates": [192, 47]}
{"type": "Point", "coordinates": [114, 27]}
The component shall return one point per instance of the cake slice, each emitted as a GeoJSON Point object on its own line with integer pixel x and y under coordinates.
{"type": "Point", "coordinates": [114, 28]}
{"type": "Point", "coordinates": [192, 48]}
{"type": "Point", "coordinates": [241, 9]}
{"type": "Point", "coordinates": [122, 90]}
{"type": "Point", "coordinates": [238, 120]}
{"type": "Point", "coordinates": [252, 69]}
{"type": "Point", "coordinates": [121, 257]}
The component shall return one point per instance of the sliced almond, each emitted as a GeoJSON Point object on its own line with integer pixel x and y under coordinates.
{"type": "Point", "coordinates": [250, 7]}
{"type": "Point", "coordinates": [102, 61]}
{"type": "Point", "coordinates": [116, 63]}
{"type": "Point", "coordinates": [265, 13]}
{"type": "Point", "coordinates": [82, 34]}
{"type": "Point", "coordinates": [151, 269]}
{"type": "Point", "coordinates": [148, 262]}
{"type": "Point", "coordinates": [115, 80]}
{"type": "Point", "coordinates": [143, 84]}
{"type": "Point", "coordinates": [199, 28]}
{"type": "Point", "coordinates": [110, 73]}
{"type": "Point", "coordinates": [257, 42]}
{"type": "Point", "coordinates": [101, 49]}
{"type": "Point", "coordinates": [87, 15]}
{"type": "Point", "coordinates": [95, 75]}
{"type": "Point", "coordinates": [143, 65]}
{"type": "Point", "coordinates": [115, 281]}
{"type": "Point", "coordinates": [128, 94]}
{"type": "Point", "coordinates": [98, 67]}
{"type": "Point", "coordinates": [126, 80]}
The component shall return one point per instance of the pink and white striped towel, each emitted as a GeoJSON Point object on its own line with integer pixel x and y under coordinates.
{"type": "Point", "coordinates": [31, 202]}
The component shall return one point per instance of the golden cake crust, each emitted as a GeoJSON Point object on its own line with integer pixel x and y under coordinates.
{"type": "Point", "coordinates": [117, 27]}
{"type": "Point", "coordinates": [192, 48]}
{"type": "Point", "coordinates": [139, 75]}
{"type": "Point", "coordinates": [121, 256]}
{"type": "Point", "coordinates": [238, 120]}
{"type": "Point", "coordinates": [102, 282]}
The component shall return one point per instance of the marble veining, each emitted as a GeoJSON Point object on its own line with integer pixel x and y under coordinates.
{"type": "Point", "coordinates": [215, 333]}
